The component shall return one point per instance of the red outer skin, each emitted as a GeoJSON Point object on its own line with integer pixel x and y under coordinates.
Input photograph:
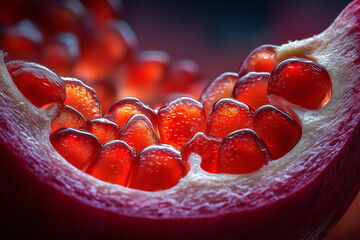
{"type": "Point", "coordinates": [41, 206]}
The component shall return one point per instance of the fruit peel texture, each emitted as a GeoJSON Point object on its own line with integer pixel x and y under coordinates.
{"type": "Point", "coordinates": [300, 196]}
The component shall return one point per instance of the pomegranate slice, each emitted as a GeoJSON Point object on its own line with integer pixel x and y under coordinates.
{"type": "Point", "coordinates": [313, 184]}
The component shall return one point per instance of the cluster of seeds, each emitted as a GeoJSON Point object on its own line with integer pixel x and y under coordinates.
{"type": "Point", "coordinates": [237, 124]}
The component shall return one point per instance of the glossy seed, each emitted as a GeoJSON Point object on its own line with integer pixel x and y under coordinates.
{"type": "Point", "coordinates": [68, 117]}
{"type": "Point", "coordinates": [104, 129]}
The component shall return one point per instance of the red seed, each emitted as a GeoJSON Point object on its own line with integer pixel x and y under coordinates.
{"type": "Point", "coordinates": [229, 115]}
{"type": "Point", "coordinates": [262, 59]}
{"type": "Point", "coordinates": [83, 98]}
{"type": "Point", "coordinates": [106, 90]}
{"type": "Point", "coordinates": [104, 129]}
{"type": "Point", "coordinates": [300, 82]}
{"type": "Point", "coordinates": [104, 10]}
{"type": "Point", "coordinates": [158, 167]}
{"type": "Point", "coordinates": [61, 53]}
{"type": "Point", "coordinates": [180, 120]}
{"type": "Point", "coordinates": [123, 109]}
{"type": "Point", "coordinates": [22, 41]}
{"type": "Point", "coordinates": [206, 147]}
{"type": "Point", "coordinates": [252, 89]}
{"type": "Point", "coordinates": [113, 163]}
{"type": "Point", "coordinates": [279, 130]}
{"type": "Point", "coordinates": [38, 84]}
{"type": "Point", "coordinates": [76, 146]}
{"type": "Point", "coordinates": [242, 151]}
{"type": "Point", "coordinates": [220, 87]}
{"type": "Point", "coordinates": [139, 133]}
{"type": "Point", "coordinates": [68, 117]}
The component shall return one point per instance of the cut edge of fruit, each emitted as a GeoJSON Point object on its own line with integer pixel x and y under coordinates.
{"type": "Point", "coordinates": [273, 182]}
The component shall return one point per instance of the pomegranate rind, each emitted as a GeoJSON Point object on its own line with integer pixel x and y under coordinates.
{"type": "Point", "coordinates": [300, 196]}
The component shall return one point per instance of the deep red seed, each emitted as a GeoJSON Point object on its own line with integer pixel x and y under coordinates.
{"type": "Point", "coordinates": [279, 130]}
{"type": "Point", "coordinates": [104, 129]}
{"type": "Point", "coordinates": [113, 163]}
{"type": "Point", "coordinates": [68, 117]}
{"type": "Point", "coordinates": [300, 82]}
{"type": "Point", "coordinates": [229, 115]}
{"type": "Point", "coordinates": [252, 89]}
{"type": "Point", "coordinates": [262, 59]}
{"type": "Point", "coordinates": [242, 151]}
{"type": "Point", "coordinates": [76, 146]}
{"type": "Point", "coordinates": [180, 120]}
{"type": "Point", "coordinates": [158, 167]}
{"type": "Point", "coordinates": [38, 84]}
{"type": "Point", "coordinates": [207, 147]}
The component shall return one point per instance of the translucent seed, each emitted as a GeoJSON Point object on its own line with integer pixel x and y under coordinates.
{"type": "Point", "coordinates": [68, 117]}
{"type": "Point", "coordinates": [76, 146]}
{"type": "Point", "coordinates": [300, 82]}
{"type": "Point", "coordinates": [38, 84]}
{"type": "Point", "coordinates": [220, 87]}
{"type": "Point", "coordinates": [113, 163]}
{"type": "Point", "coordinates": [180, 120]}
{"type": "Point", "coordinates": [242, 151]}
{"type": "Point", "coordinates": [139, 133]}
{"type": "Point", "coordinates": [229, 115]}
{"type": "Point", "coordinates": [279, 130]}
{"type": "Point", "coordinates": [158, 167]}
{"type": "Point", "coordinates": [252, 89]}
{"type": "Point", "coordinates": [206, 147]}
{"type": "Point", "coordinates": [262, 59]}
{"type": "Point", "coordinates": [104, 129]}
{"type": "Point", "coordinates": [83, 98]}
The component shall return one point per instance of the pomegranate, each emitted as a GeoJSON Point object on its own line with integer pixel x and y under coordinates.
{"type": "Point", "coordinates": [301, 195]}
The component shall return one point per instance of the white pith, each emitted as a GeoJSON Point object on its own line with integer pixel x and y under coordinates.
{"type": "Point", "coordinates": [199, 193]}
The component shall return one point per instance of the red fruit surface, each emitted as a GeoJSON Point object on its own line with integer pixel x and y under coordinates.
{"type": "Point", "coordinates": [252, 89]}
{"type": "Point", "coordinates": [113, 163]}
{"type": "Point", "coordinates": [220, 87]}
{"type": "Point", "coordinates": [68, 117]}
{"type": "Point", "coordinates": [76, 146]}
{"type": "Point", "coordinates": [229, 115]}
{"type": "Point", "coordinates": [158, 167]}
{"type": "Point", "coordinates": [301, 82]}
{"type": "Point", "coordinates": [139, 133]}
{"type": "Point", "coordinates": [277, 129]}
{"type": "Point", "coordinates": [38, 84]}
{"type": "Point", "coordinates": [242, 151]}
{"type": "Point", "coordinates": [104, 129]}
{"type": "Point", "coordinates": [205, 146]}
{"type": "Point", "coordinates": [261, 59]}
{"type": "Point", "coordinates": [180, 120]}
{"type": "Point", "coordinates": [83, 98]}
{"type": "Point", "coordinates": [123, 109]}
{"type": "Point", "coordinates": [300, 196]}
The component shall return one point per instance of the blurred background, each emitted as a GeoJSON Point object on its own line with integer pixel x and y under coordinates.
{"type": "Point", "coordinates": [216, 35]}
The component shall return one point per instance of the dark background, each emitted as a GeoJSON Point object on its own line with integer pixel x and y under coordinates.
{"type": "Point", "coordinates": [219, 34]}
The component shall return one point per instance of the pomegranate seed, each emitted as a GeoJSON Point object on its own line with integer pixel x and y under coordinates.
{"type": "Point", "coordinates": [123, 109]}
{"type": "Point", "coordinates": [37, 83]}
{"type": "Point", "coordinates": [206, 147]}
{"type": "Point", "coordinates": [105, 51]}
{"type": "Point", "coordinates": [219, 88]}
{"type": "Point", "coordinates": [139, 133]}
{"type": "Point", "coordinates": [279, 130]}
{"type": "Point", "coordinates": [180, 120]}
{"type": "Point", "coordinates": [104, 10]}
{"type": "Point", "coordinates": [22, 41]}
{"type": "Point", "coordinates": [61, 53]}
{"type": "Point", "coordinates": [113, 163]}
{"type": "Point", "coordinates": [262, 59]}
{"type": "Point", "coordinates": [83, 98]}
{"type": "Point", "coordinates": [158, 167]}
{"type": "Point", "coordinates": [228, 115]}
{"type": "Point", "coordinates": [301, 82]}
{"type": "Point", "coordinates": [68, 117]}
{"type": "Point", "coordinates": [182, 75]}
{"type": "Point", "coordinates": [76, 146]}
{"type": "Point", "coordinates": [252, 89]}
{"type": "Point", "coordinates": [104, 129]}
{"type": "Point", "coordinates": [242, 151]}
